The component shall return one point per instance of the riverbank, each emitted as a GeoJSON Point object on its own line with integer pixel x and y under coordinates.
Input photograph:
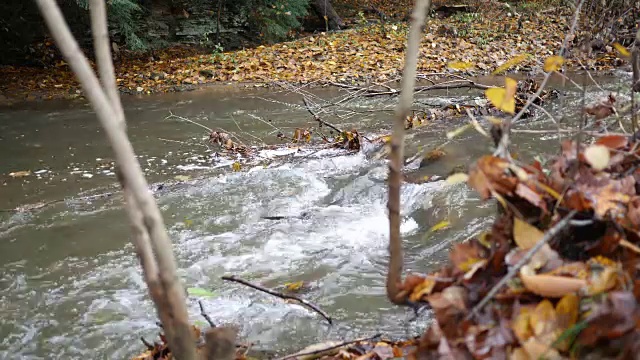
{"type": "Point", "coordinates": [476, 44]}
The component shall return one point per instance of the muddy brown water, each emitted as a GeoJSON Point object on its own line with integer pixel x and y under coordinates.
{"type": "Point", "coordinates": [71, 287]}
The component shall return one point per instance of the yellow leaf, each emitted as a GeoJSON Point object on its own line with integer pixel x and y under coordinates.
{"type": "Point", "coordinates": [422, 289]}
{"type": "Point", "coordinates": [520, 324]}
{"type": "Point", "coordinates": [182, 177]}
{"type": "Point", "coordinates": [543, 319]}
{"type": "Point", "coordinates": [504, 98]}
{"type": "Point", "coordinates": [459, 65]}
{"type": "Point", "coordinates": [553, 63]}
{"type": "Point", "coordinates": [597, 156]}
{"type": "Point", "coordinates": [439, 226]}
{"type": "Point", "coordinates": [567, 310]}
{"type": "Point", "coordinates": [602, 281]}
{"type": "Point", "coordinates": [236, 166]}
{"type": "Point", "coordinates": [457, 178]}
{"type": "Point", "coordinates": [622, 50]}
{"type": "Point", "coordinates": [525, 235]}
{"type": "Point", "coordinates": [512, 62]}
{"type": "Point", "coordinates": [294, 286]}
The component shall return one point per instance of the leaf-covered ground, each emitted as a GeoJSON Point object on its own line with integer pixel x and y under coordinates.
{"type": "Point", "coordinates": [365, 53]}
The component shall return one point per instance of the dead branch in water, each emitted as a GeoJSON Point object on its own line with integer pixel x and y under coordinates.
{"type": "Point", "coordinates": [150, 237]}
{"type": "Point", "coordinates": [396, 257]}
{"type": "Point", "coordinates": [280, 295]}
{"type": "Point", "coordinates": [446, 85]}
{"type": "Point", "coordinates": [317, 118]}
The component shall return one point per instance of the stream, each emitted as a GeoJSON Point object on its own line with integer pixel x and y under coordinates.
{"type": "Point", "coordinates": [71, 286]}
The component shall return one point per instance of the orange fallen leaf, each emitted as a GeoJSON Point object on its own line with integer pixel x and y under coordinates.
{"type": "Point", "coordinates": [549, 285]}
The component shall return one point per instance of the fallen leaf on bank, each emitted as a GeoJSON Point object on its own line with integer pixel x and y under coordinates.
{"type": "Point", "coordinates": [614, 142]}
{"type": "Point", "coordinates": [525, 235]}
{"type": "Point", "coordinates": [236, 166]}
{"type": "Point", "coordinates": [182, 177]}
{"type": "Point", "coordinates": [549, 285]}
{"type": "Point", "coordinates": [597, 156]}
{"type": "Point", "coordinates": [459, 65]}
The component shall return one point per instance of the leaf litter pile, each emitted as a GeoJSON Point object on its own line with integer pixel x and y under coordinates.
{"type": "Point", "coordinates": [368, 53]}
{"type": "Point", "coordinates": [556, 275]}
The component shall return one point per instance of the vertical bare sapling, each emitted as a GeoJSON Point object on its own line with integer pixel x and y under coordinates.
{"type": "Point", "coordinates": [150, 238]}
{"type": "Point", "coordinates": [396, 257]}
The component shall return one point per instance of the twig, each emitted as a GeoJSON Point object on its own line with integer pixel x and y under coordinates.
{"type": "Point", "coordinates": [182, 142]}
{"type": "Point", "coordinates": [396, 256]}
{"type": "Point", "coordinates": [317, 118]}
{"type": "Point", "coordinates": [146, 343]}
{"type": "Point", "coordinates": [244, 132]}
{"type": "Point", "coordinates": [188, 120]}
{"type": "Point", "coordinates": [454, 84]}
{"type": "Point", "coordinates": [328, 348]}
{"type": "Point", "coordinates": [280, 295]}
{"type": "Point", "coordinates": [205, 315]}
{"type": "Point", "coordinates": [553, 231]}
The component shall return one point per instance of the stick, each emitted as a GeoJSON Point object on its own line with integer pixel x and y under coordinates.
{"type": "Point", "coordinates": [205, 315]}
{"type": "Point", "coordinates": [454, 84]}
{"type": "Point", "coordinates": [280, 295]}
{"type": "Point", "coordinates": [167, 293]}
{"type": "Point", "coordinates": [317, 117]}
{"type": "Point", "coordinates": [396, 257]}
{"type": "Point", "coordinates": [188, 120]}
{"type": "Point", "coordinates": [315, 352]}
{"type": "Point", "coordinates": [553, 231]}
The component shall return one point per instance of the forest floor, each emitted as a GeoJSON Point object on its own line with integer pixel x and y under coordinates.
{"type": "Point", "coordinates": [470, 43]}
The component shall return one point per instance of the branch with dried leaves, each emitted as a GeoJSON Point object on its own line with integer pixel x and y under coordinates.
{"type": "Point", "coordinates": [280, 295]}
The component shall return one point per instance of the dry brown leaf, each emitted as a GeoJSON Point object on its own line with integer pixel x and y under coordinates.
{"type": "Point", "coordinates": [549, 285]}
{"type": "Point", "coordinates": [525, 235]}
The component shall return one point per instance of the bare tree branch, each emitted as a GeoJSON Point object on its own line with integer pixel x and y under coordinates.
{"type": "Point", "coordinates": [169, 295]}
{"type": "Point", "coordinates": [396, 257]}
{"type": "Point", "coordinates": [281, 296]}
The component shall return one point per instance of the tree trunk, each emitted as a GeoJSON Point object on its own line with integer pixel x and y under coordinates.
{"type": "Point", "coordinates": [324, 8]}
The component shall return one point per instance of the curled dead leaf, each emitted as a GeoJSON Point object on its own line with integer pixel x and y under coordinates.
{"type": "Point", "coordinates": [549, 285]}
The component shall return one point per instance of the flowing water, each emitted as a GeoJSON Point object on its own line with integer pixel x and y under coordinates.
{"type": "Point", "coordinates": [71, 286]}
